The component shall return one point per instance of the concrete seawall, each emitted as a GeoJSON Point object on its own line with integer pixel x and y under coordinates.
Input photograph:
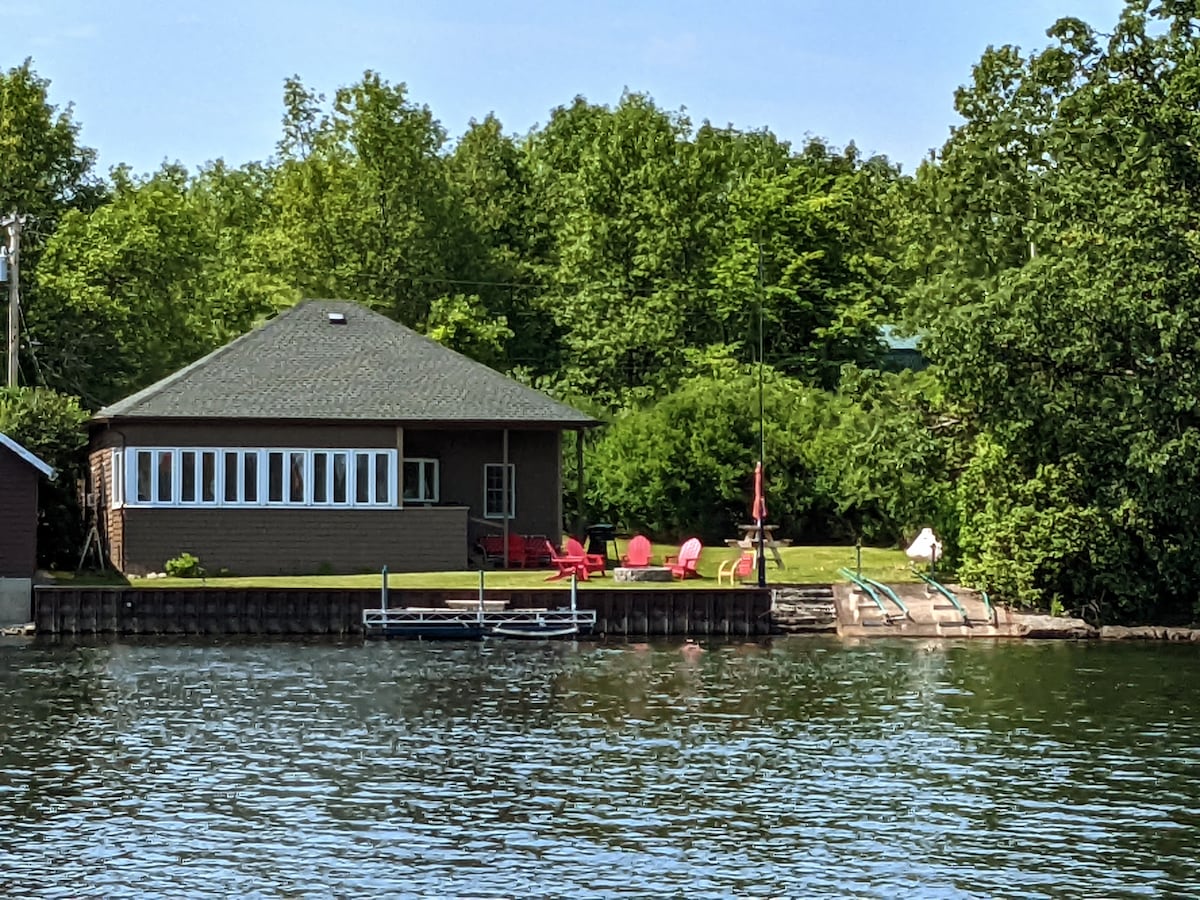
{"type": "Point", "coordinates": [214, 610]}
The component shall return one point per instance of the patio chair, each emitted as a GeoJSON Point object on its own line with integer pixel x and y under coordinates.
{"type": "Point", "coordinates": [683, 563]}
{"type": "Point", "coordinates": [516, 551]}
{"type": "Point", "coordinates": [492, 546]}
{"type": "Point", "coordinates": [637, 553]}
{"type": "Point", "coordinates": [738, 567]}
{"type": "Point", "coordinates": [565, 565]}
{"type": "Point", "coordinates": [595, 562]}
{"type": "Point", "coordinates": [535, 551]}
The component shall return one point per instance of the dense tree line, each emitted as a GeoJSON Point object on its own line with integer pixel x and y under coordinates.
{"type": "Point", "coordinates": [625, 259]}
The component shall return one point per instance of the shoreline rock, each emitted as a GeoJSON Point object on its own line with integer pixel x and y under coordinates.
{"type": "Point", "coordinates": [1044, 627]}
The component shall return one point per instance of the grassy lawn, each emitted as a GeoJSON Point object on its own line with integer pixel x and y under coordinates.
{"type": "Point", "coordinates": [802, 565]}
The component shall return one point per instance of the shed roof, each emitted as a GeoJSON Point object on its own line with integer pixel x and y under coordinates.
{"type": "Point", "coordinates": [302, 365]}
{"type": "Point", "coordinates": [22, 453]}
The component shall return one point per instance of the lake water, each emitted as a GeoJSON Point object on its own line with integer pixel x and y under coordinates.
{"type": "Point", "coordinates": [798, 768]}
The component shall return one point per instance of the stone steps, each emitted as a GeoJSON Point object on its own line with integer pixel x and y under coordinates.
{"type": "Point", "coordinates": [803, 609]}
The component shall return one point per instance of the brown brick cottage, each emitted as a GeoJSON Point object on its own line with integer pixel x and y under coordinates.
{"type": "Point", "coordinates": [329, 439]}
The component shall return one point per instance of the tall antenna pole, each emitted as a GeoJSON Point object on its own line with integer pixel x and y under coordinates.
{"type": "Point", "coordinates": [762, 442]}
{"type": "Point", "coordinates": [13, 223]}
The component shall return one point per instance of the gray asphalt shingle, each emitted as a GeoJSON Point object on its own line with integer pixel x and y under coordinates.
{"type": "Point", "coordinates": [301, 366]}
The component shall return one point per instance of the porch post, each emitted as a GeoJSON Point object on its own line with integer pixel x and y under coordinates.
{"type": "Point", "coordinates": [558, 485]}
{"type": "Point", "coordinates": [504, 490]}
{"type": "Point", "coordinates": [579, 483]}
{"type": "Point", "coordinates": [400, 466]}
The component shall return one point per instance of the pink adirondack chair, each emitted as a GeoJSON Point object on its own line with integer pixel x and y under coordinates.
{"type": "Point", "coordinates": [594, 562]}
{"type": "Point", "coordinates": [566, 565]}
{"type": "Point", "coordinates": [683, 563]}
{"type": "Point", "coordinates": [637, 554]}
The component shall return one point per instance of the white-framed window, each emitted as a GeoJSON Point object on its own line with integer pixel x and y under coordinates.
{"type": "Point", "coordinates": [198, 477]}
{"type": "Point", "coordinates": [421, 481]}
{"type": "Point", "coordinates": [493, 490]}
{"type": "Point", "coordinates": [210, 476]}
{"type": "Point", "coordinates": [153, 477]}
{"type": "Point", "coordinates": [117, 488]}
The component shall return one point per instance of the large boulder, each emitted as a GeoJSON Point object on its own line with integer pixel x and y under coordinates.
{"type": "Point", "coordinates": [1060, 627]}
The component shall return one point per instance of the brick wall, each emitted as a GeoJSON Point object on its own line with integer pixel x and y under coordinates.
{"type": "Point", "coordinates": [282, 541]}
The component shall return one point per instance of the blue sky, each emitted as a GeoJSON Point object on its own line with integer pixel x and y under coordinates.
{"type": "Point", "coordinates": [154, 79]}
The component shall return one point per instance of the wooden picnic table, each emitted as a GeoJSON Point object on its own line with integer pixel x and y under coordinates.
{"type": "Point", "coordinates": [749, 541]}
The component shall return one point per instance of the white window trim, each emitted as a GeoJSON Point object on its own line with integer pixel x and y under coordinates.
{"type": "Point", "coordinates": [423, 461]}
{"type": "Point", "coordinates": [117, 478]}
{"type": "Point", "coordinates": [124, 463]}
{"type": "Point", "coordinates": [512, 491]}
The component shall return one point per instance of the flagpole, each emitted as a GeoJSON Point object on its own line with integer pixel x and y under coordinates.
{"type": "Point", "coordinates": [762, 549]}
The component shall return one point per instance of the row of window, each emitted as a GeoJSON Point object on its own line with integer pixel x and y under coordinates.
{"type": "Point", "coordinates": [286, 477]}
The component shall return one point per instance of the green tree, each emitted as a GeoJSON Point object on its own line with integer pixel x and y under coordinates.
{"type": "Point", "coordinates": [362, 207]}
{"type": "Point", "coordinates": [44, 172]}
{"type": "Point", "coordinates": [1058, 276]}
{"type": "Point", "coordinates": [150, 280]}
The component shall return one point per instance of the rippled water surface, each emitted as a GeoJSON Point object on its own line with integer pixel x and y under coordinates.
{"type": "Point", "coordinates": [797, 768]}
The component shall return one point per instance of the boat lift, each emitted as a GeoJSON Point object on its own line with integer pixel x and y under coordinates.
{"type": "Point", "coordinates": [484, 619]}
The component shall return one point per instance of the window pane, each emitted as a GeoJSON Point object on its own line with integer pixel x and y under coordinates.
{"type": "Point", "coordinates": [296, 481]}
{"type": "Point", "coordinates": [165, 461]}
{"type": "Point", "coordinates": [362, 478]}
{"type": "Point", "coordinates": [117, 494]}
{"type": "Point", "coordinates": [412, 479]}
{"type": "Point", "coordinates": [250, 477]}
{"type": "Point", "coordinates": [382, 479]}
{"type": "Point", "coordinates": [187, 474]}
{"type": "Point", "coordinates": [231, 477]}
{"type": "Point", "coordinates": [208, 476]}
{"type": "Point", "coordinates": [145, 474]}
{"type": "Point", "coordinates": [429, 480]}
{"type": "Point", "coordinates": [275, 477]}
{"type": "Point", "coordinates": [339, 477]}
{"type": "Point", "coordinates": [320, 478]}
{"type": "Point", "coordinates": [494, 490]}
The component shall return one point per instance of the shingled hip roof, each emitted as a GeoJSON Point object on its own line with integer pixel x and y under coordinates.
{"type": "Point", "coordinates": [302, 365]}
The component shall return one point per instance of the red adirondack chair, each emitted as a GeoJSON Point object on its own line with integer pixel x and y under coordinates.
{"type": "Point", "coordinates": [595, 562]}
{"type": "Point", "coordinates": [683, 563]}
{"type": "Point", "coordinates": [566, 565]}
{"type": "Point", "coordinates": [637, 554]}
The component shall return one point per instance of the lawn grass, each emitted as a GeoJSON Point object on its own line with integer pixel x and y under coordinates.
{"type": "Point", "coordinates": [802, 565]}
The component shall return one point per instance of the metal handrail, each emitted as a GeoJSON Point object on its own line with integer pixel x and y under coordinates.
{"type": "Point", "coordinates": [987, 602]}
{"type": "Point", "coordinates": [945, 592]}
{"type": "Point", "coordinates": [892, 595]}
{"type": "Point", "coordinates": [865, 588]}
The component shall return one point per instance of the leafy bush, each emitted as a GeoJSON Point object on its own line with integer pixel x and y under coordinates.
{"type": "Point", "coordinates": [686, 464]}
{"type": "Point", "coordinates": [185, 566]}
{"type": "Point", "coordinates": [861, 462]}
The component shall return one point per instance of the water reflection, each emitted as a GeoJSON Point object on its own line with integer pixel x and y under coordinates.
{"type": "Point", "coordinates": [791, 768]}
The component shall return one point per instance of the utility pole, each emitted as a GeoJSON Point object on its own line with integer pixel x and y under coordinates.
{"type": "Point", "coordinates": [13, 223]}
